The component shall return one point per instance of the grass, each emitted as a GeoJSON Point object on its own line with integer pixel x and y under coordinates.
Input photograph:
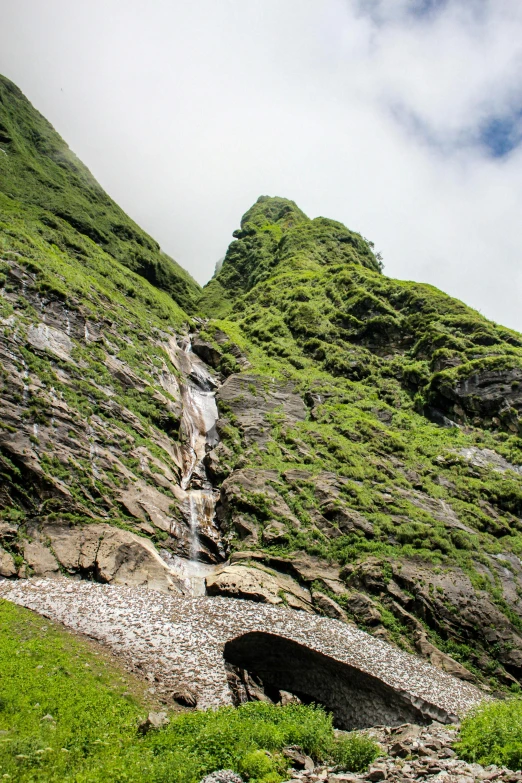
{"type": "Point", "coordinates": [69, 713]}
{"type": "Point", "coordinates": [493, 735]}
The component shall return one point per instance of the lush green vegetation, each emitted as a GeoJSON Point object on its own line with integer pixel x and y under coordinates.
{"type": "Point", "coordinates": [68, 713]}
{"type": "Point", "coordinates": [38, 169]}
{"type": "Point", "coordinates": [493, 735]}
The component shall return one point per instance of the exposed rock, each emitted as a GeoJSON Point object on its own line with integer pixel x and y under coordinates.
{"type": "Point", "coordinates": [8, 532]}
{"type": "Point", "coordinates": [363, 609]}
{"type": "Point", "coordinates": [493, 395]}
{"type": "Point", "coordinates": [301, 567]}
{"type": "Point", "coordinates": [222, 776]}
{"type": "Point", "coordinates": [251, 491]}
{"type": "Point", "coordinates": [299, 759]}
{"type": "Point", "coordinates": [47, 338]}
{"type": "Point", "coordinates": [186, 697]}
{"type": "Point", "coordinates": [275, 533]}
{"type": "Point", "coordinates": [258, 584]}
{"type": "Point", "coordinates": [154, 720]}
{"type": "Point", "coordinates": [439, 509]}
{"type": "Point", "coordinates": [487, 458]}
{"type": "Point", "coordinates": [251, 397]}
{"type": "Point", "coordinates": [327, 606]}
{"type": "Point", "coordinates": [206, 351]}
{"type": "Point", "coordinates": [110, 555]}
{"type": "Point", "coordinates": [442, 661]}
{"type": "Point", "coordinates": [448, 603]}
{"type": "Point", "coordinates": [40, 559]}
{"type": "Point", "coordinates": [7, 565]}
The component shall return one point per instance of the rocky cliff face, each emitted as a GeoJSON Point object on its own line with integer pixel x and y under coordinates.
{"type": "Point", "coordinates": [337, 442]}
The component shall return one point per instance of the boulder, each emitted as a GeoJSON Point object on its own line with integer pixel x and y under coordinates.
{"type": "Point", "coordinates": [258, 584]}
{"type": "Point", "coordinates": [328, 607]}
{"type": "Point", "coordinates": [154, 720]}
{"type": "Point", "coordinates": [7, 564]}
{"type": "Point", "coordinates": [110, 554]}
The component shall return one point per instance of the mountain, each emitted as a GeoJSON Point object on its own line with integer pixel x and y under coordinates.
{"type": "Point", "coordinates": [303, 431]}
{"type": "Point", "coordinates": [59, 196]}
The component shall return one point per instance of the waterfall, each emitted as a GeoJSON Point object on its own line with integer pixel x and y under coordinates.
{"type": "Point", "coordinates": [198, 426]}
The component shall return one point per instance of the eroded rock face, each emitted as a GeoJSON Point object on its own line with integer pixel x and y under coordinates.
{"type": "Point", "coordinates": [447, 602]}
{"type": "Point", "coordinates": [250, 398]}
{"type": "Point", "coordinates": [90, 430]}
{"type": "Point", "coordinates": [494, 396]}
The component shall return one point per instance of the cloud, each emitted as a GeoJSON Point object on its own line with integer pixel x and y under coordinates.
{"type": "Point", "coordinates": [400, 118]}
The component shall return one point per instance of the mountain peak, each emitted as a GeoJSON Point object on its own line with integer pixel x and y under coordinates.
{"type": "Point", "coordinates": [276, 235]}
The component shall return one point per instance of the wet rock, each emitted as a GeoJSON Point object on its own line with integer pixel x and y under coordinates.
{"type": "Point", "coordinates": [207, 352]}
{"type": "Point", "coordinates": [218, 463]}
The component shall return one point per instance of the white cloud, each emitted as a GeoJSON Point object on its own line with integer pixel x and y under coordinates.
{"type": "Point", "coordinates": [369, 113]}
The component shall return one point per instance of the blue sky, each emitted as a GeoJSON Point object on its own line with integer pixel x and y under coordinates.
{"type": "Point", "coordinates": [401, 118]}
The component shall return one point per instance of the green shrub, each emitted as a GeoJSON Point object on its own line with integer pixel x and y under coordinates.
{"type": "Point", "coordinates": [493, 735]}
{"type": "Point", "coordinates": [355, 752]}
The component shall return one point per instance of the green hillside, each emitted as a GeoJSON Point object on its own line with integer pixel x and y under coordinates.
{"type": "Point", "coordinates": [405, 471]}
{"type": "Point", "coordinates": [38, 170]}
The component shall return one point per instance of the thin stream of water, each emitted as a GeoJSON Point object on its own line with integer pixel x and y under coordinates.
{"type": "Point", "coordinates": [199, 427]}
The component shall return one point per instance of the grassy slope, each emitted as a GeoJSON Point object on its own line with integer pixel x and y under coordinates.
{"type": "Point", "coordinates": [366, 351]}
{"type": "Point", "coordinates": [37, 169]}
{"type": "Point", "coordinates": [96, 707]}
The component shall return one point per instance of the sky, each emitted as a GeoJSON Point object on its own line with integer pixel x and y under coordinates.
{"type": "Point", "coordinates": [400, 118]}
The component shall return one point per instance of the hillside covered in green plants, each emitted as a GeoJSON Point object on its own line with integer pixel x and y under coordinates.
{"type": "Point", "coordinates": [367, 458]}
